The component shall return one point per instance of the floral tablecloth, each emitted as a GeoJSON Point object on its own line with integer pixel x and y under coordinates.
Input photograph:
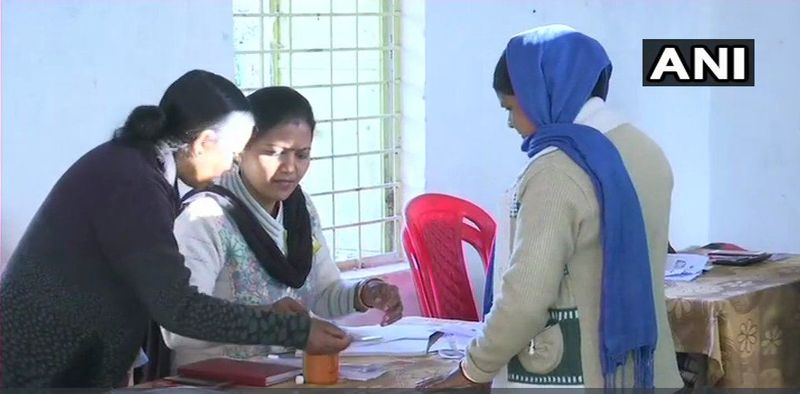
{"type": "Point", "coordinates": [745, 320]}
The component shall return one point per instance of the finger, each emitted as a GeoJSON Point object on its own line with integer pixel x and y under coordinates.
{"type": "Point", "coordinates": [288, 305]}
{"type": "Point", "coordinates": [338, 344]}
{"type": "Point", "coordinates": [390, 320]}
{"type": "Point", "coordinates": [297, 307]}
{"type": "Point", "coordinates": [434, 384]}
{"type": "Point", "coordinates": [330, 345]}
{"type": "Point", "coordinates": [335, 331]}
{"type": "Point", "coordinates": [393, 317]}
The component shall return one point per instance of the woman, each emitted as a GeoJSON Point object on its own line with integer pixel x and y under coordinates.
{"type": "Point", "coordinates": [280, 254]}
{"type": "Point", "coordinates": [582, 301]}
{"type": "Point", "coordinates": [99, 259]}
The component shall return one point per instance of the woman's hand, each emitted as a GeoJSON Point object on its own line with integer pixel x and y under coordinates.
{"type": "Point", "coordinates": [326, 338]}
{"type": "Point", "coordinates": [377, 294]}
{"type": "Point", "coordinates": [453, 380]}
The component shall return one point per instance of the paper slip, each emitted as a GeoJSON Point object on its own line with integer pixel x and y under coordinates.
{"type": "Point", "coordinates": [451, 342]}
{"type": "Point", "coordinates": [390, 333]}
{"type": "Point", "coordinates": [455, 327]}
{"type": "Point", "coordinates": [682, 277]}
{"type": "Point", "coordinates": [782, 256]}
{"type": "Point", "coordinates": [462, 329]}
{"type": "Point", "coordinates": [679, 264]}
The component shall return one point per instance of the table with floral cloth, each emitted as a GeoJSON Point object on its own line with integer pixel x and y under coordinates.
{"type": "Point", "coordinates": [744, 322]}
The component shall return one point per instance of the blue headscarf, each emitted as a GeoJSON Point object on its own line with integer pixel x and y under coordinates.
{"type": "Point", "coordinates": [553, 70]}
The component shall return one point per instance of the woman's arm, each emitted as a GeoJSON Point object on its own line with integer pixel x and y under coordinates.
{"type": "Point", "coordinates": [134, 224]}
{"type": "Point", "coordinates": [197, 232]}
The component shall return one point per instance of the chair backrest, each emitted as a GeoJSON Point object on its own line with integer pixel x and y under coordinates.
{"type": "Point", "coordinates": [436, 227]}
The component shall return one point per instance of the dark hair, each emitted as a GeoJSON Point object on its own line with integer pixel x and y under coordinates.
{"type": "Point", "coordinates": [601, 87]}
{"type": "Point", "coordinates": [275, 105]}
{"type": "Point", "coordinates": [502, 80]}
{"type": "Point", "coordinates": [194, 102]}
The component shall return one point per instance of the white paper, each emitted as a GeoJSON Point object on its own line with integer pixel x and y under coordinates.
{"type": "Point", "coordinates": [446, 326]}
{"type": "Point", "coordinates": [451, 342]}
{"type": "Point", "coordinates": [362, 372]}
{"type": "Point", "coordinates": [396, 348]}
{"type": "Point", "coordinates": [390, 333]}
{"type": "Point", "coordinates": [683, 267]}
{"type": "Point", "coordinates": [782, 256]}
{"type": "Point", "coordinates": [410, 337]}
{"type": "Point", "coordinates": [682, 277]}
{"type": "Point", "coordinates": [466, 329]}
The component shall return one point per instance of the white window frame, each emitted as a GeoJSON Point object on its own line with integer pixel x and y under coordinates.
{"type": "Point", "coordinates": [391, 116]}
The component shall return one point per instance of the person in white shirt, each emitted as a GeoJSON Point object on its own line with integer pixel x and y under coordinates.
{"type": "Point", "coordinates": [290, 265]}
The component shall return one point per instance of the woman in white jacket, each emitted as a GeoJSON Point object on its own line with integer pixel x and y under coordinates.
{"type": "Point", "coordinates": [255, 237]}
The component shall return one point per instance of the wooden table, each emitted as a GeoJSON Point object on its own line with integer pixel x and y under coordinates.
{"type": "Point", "coordinates": [743, 321]}
{"type": "Point", "coordinates": [403, 372]}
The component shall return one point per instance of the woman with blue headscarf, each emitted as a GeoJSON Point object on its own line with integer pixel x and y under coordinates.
{"type": "Point", "coordinates": [581, 303]}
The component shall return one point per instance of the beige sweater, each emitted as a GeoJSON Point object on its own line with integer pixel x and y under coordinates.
{"type": "Point", "coordinates": [555, 269]}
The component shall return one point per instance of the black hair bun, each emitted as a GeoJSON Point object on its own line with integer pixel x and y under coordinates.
{"type": "Point", "coordinates": [145, 123]}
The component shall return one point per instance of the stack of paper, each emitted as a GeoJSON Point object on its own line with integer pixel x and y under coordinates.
{"type": "Point", "coordinates": [685, 267]}
{"type": "Point", "coordinates": [393, 332]}
{"type": "Point", "coordinates": [412, 337]}
{"type": "Point", "coordinates": [455, 339]}
{"type": "Point", "coordinates": [404, 340]}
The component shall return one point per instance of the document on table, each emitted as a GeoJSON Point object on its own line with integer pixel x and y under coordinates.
{"type": "Point", "coordinates": [682, 267]}
{"type": "Point", "coordinates": [410, 338]}
{"type": "Point", "coordinates": [390, 333]}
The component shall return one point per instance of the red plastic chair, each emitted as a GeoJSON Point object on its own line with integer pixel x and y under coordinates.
{"type": "Point", "coordinates": [436, 227]}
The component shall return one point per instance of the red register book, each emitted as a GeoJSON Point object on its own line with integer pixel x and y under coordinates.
{"type": "Point", "coordinates": [239, 372]}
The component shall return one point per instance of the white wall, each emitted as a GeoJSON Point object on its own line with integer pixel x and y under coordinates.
{"type": "Point", "coordinates": [732, 150]}
{"type": "Point", "coordinates": [73, 69]}
{"type": "Point", "coordinates": [755, 132]}
{"type": "Point", "coordinates": [471, 152]}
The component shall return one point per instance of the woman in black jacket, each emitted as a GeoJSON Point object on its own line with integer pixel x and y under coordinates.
{"type": "Point", "coordinates": [99, 259]}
